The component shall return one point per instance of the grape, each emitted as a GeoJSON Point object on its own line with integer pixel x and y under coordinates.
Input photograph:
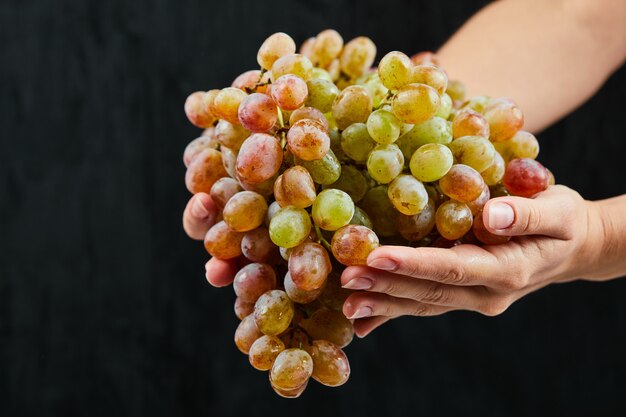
{"type": "Point", "coordinates": [204, 170]}
{"type": "Point", "coordinates": [504, 118]}
{"type": "Point", "coordinates": [453, 219]}
{"type": "Point", "coordinates": [435, 194]}
{"type": "Point", "coordinates": [307, 140]}
{"type": "Point", "coordinates": [273, 312]}
{"type": "Point", "coordinates": [425, 57]}
{"type": "Point", "coordinates": [334, 69]}
{"type": "Point", "coordinates": [329, 325]}
{"type": "Point", "coordinates": [385, 163]}
{"type": "Point", "coordinates": [456, 90]}
{"type": "Point", "coordinates": [289, 393]}
{"type": "Point", "coordinates": [326, 47]}
{"type": "Point", "coordinates": [274, 47]}
{"type": "Point", "coordinates": [223, 243]}
{"type": "Point", "coordinates": [230, 135]}
{"type": "Point", "coordinates": [196, 146]}
{"type": "Point", "coordinates": [352, 105]}
{"type": "Point", "coordinates": [246, 334]}
{"type": "Point", "coordinates": [243, 308]}
{"type": "Point", "coordinates": [226, 104]}
{"type": "Point", "coordinates": [295, 64]}
{"type": "Point", "coordinates": [258, 113]}
{"type": "Point", "coordinates": [356, 142]}
{"type": "Point", "coordinates": [264, 351]}
{"type": "Point", "coordinates": [291, 369]}
{"type": "Point", "coordinates": [395, 70]}
{"type": "Point", "coordinates": [378, 207]}
{"type": "Point", "coordinates": [431, 162]}
{"type": "Point", "coordinates": [257, 246]}
{"type": "Point", "coordinates": [352, 244]}
{"type": "Point", "coordinates": [407, 194]}
{"type": "Point", "coordinates": [417, 226]}
{"type": "Point", "coordinates": [309, 266]}
{"type": "Point", "coordinates": [521, 145]}
{"type": "Point", "coordinates": [223, 190]}
{"type": "Point", "coordinates": [197, 112]}
{"type": "Point", "coordinates": [495, 172]}
{"type": "Point", "coordinates": [469, 123]}
{"type": "Point", "coordinates": [254, 280]}
{"type": "Point", "coordinates": [445, 106]}
{"type": "Point", "coordinates": [229, 161]}
{"type": "Point", "coordinates": [474, 151]}
{"type": "Point", "coordinates": [478, 204]}
{"type": "Point", "coordinates": [357, 56]}
{"type": "Point", "coordinates": [525, 177]}
{"type": "Point", "coordinates": [462, 183]}
{"type": "Point", "coordinates": [289, 227]}
{"type": "Point", "coordinates": [295, 187]}
{"type": "Point", "coordinates": [311, 113]}
{"type": "Point", "coordinates": [322, 94]}
{"type": "Point", "coordinates": [431, 76]}
{"type": "Point", "coordinates": [289, 92]}
{"type": "Point", "coordinates": [551, 179]}
{"type": "Point", "coordinates": [352, 182]}
{"type": "Point", "coordinates": [383, 126]}
{"type": "Point", "coordinates": [377, 91]}
{"type": "Point", "coordinates": [332, 209]}
{"type": "Point", "coordinates": [484, 235]}
{"type": "Point", "coordinates": [360, 218]}
{"type": "Point", "coordinates": [245, 211]}
{"type": "Point", "coordinates": [265, 188]}
{"type": "Point", "coordinates": [323, 171]}
{"type": "Point", "coordinates": [306, 48]}
{"type": "Point", "coordinates": [415, 103]}
{"type": "Point", "coordinates": [247, 81]}
{"type": "Point", "coordinates": [498, 190]}
{"type": "Point", "coordinates": [330, 363]}
{"type": "Point", "coordinates": [477, 104]}
{"type": "Point", "coordinates": [271, 210]}
{"type": "Point", "coordinates": [322, 74]}
{"type": "Point", "coordinates": [259, 158]}
{"type": "Point", "coordinates": [435, 130]}
{"type": "Point", "coordinates": [298, 295]}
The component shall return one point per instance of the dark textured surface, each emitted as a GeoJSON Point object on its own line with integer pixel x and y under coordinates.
{"type": "Point", "coordinates": [104, 309]}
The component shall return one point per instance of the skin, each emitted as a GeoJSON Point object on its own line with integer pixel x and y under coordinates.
{"type": "Point", "coordinates": [557, 235]}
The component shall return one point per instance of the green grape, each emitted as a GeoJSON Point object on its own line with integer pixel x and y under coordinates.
{"type": "Point", "coordinates": [246, 334]}
{"type": "Point", "coordinates": [495, 172]}
{"type": "Point", "coordinates": [504, 118]}
{"type": "Point", "coordinates": [291, 369]}
{"type": "Point", "coordinates": [264, 351]}
{"type": "Point", "coordinates": [230, 135]}
{"type": "Point", "coordinates": [298, 295]}
{"type": "Point", "coordinates": [430, 75]}
{"type": "Point", "coordinates": [323, 171]}
{"type": "Point", "coordinates": [521, 145]}
{"type": "Point", "coordinates": [407, 194]}
{"type": "Point", "coordinates": [322, 94]}
{"type": "Point", "coordinates": [417, 226]}
{"type": "Point", "coordinates": [377, 91]}
{"type": "Point", "coordinates": [462, 183]}
{"type": "Point", "coordinates": [475, 151]}
{"type": "Point", "coordinates": [289, 92]}
{"type": "Point", "coordinates": [289, 227]}
{"type": "Point", "coordinates": [329, 325]}
{"type": "Point", "coordinates": [435, 130]}
{"type": "Point", "coordinates": [243, 308]}
{"type": "Point", "coordinates": [352, 181]}
{"type": "Point", "coordinates": [308, 140]}
{"type": "Point", "coordinates": [477, 103]}
{"type": "Point", "coordinates": [254, 280]}
{"type": "Point", "coordinates": [295, 64]}
{"type": "Point", "coordinates": [332, 209]}
{"type": "Point", "coordinates": [383, 126]}
{"type": "Point", "coordinates": [257, 246]}
{"type": "Point", "coordinates": [274, 47]}
{"type": "Point", "coordinates": [385, 163]}
{"type": "Point", "coordinates": [330, 363]}
{"type": "Point", "coordinates": [456, 90]}
{"type": "Point", "coordinates": [378, 207]}
{"type": "Point", "coordinates": [295, 187]}
{"type": "Point", "coordinates": [430, 162]}
{"type": "Point", "coordinates": [357, 56]}
{"type": "Point", "coordinates": [223, 190]}
{"type": "Point", "coordinates": [326, 47]}
{"type": "Point", "coordinates": [445, 107]}
{"type": "Point", "coordinates": [415, 103]}
{"type": "Point", "coordinates": [204, 170]}
{"type": "Point", "coordinates": [361, 218]}
{"type": "Point", "coordinates": [352, 244]}
{"type": "Point", "coordinates": [273, 312]}
{"type": "Point", "coordinates": [335, 144]}
{"type": "Point", "coordinates": [223, 243]}
{"type": "Point", "coordinates": [309, 266]}
{"type": "Point", "coordinates": [395, 70]}
{"type": "Point", "coordinates": [469, 123]}
{"type": "Point", "coordinates": [245, 211]}
{"type": "Point", "coordinates": [356, 142]}
{"type": "Point", "coordinates": [352, 105]}
{"type": "Point", "coordinates": [453, 219]}
{"type": "Point", "coordinates": [320, 74]}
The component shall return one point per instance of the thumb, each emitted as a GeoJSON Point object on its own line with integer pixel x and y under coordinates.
{"type": "Point", "coordinates": [550, 213]}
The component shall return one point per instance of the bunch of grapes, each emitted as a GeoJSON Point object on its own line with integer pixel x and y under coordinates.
{"type": "Point", "coordinates": [316, 159]}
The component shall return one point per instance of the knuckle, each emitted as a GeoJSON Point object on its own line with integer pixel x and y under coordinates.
{"type": "Point", "coordinates": [495, 307]}
{"type": "Point", "coordinates": [420, 310]}
{"type": "Point", "coordinates": [515, 280]}
{"type": "Point", "coordinates": [455, 275]}
{"type": "Point", "coordinates": [387, 286]}
{"type": "Point", "coordinates": [435, 294]}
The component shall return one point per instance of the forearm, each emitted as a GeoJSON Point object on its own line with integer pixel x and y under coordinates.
{"type": "Point", "coordinates": [548, 55]}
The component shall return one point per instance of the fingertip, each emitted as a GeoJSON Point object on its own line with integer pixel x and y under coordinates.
{"type": "Point", "coordinates": [203, 206]}
{"type": "Point", "coordinates": [220, 273]}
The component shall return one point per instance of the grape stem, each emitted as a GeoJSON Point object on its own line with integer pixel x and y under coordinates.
{"type": "Point", "coordinates": [323, 241]}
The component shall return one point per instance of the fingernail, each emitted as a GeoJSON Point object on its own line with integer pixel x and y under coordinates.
{"type": "Point", "coordinates": [383, 263]}
{"type": "Point", "coordinates": [359, 284]}
{"type": "Point", "coordinates": [198, 210]}
{"type": "Point", "coordinates": [501, 216]}
{"type": "Point", "coordinates": [361, 312]}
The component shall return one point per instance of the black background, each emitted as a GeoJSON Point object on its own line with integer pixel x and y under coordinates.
{"type": "Point", "coordinates": [104, 308]}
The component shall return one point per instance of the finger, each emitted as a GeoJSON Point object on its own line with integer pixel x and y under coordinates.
{"type": "Point", "coordinates": [550, 213]}
{"type": "Point", "coordinates": [463, 265]}
{"type": "Point", "coordinates": [199, 215]}
{"type": "Point", "coordinates": [430, 292]}
{"type": "Point", "coordinates": [364, 304]}
{"type": "Point", "coordinates": [364, 326]}
{"type": "Point", "coordinates": [220, 272]}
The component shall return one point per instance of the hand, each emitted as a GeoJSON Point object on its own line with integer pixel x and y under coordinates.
{"type": "Point", "coordinates": [199, 216]}
{"type": "Point", "coordinates": [558, 238]}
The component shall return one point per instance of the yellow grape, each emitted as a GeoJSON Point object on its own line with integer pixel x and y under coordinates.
{"type": "Point", "coordinates": [357, 56]}
{"type": "Point", "coordinates": [407, 194]}
{"type": "Point", "coordinates": [462, 183]}
{"type": "Point", "coordinates": [326, 47]}
{"type": "Point", "coordinates": [430, 75]}
{"type": "Point", "coordinates": [352, 244]}
{"type": "Point", "coordinates": [295, 64]}
{"type": "Point", "coordinates": [295, 187]}
{"type": "Point", "coordinates": [264, 351]}
{"type": "Point", "coordinates": [226, 104]}
{"type": "Point", "coordinates": [395, 70]}
{"type": "Point", "coordinates": [197, 112]}
{"type": "Point", "coordinates": [223, 243]}
{"type": "Point", "coordinates": [246, 334]}
{"type": "Point", "coordinates": [274, 47]}
{"type": "Point", "coordinates": [352, 105]}
{"type": "Point", "coordinates": [415, 103]}
{"type": "Point", "coordinates": [475, 151]}
{"type": "Point", "coordinates": [245, 211]}
{"type": "Point", "coordinates": [453, 219]}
